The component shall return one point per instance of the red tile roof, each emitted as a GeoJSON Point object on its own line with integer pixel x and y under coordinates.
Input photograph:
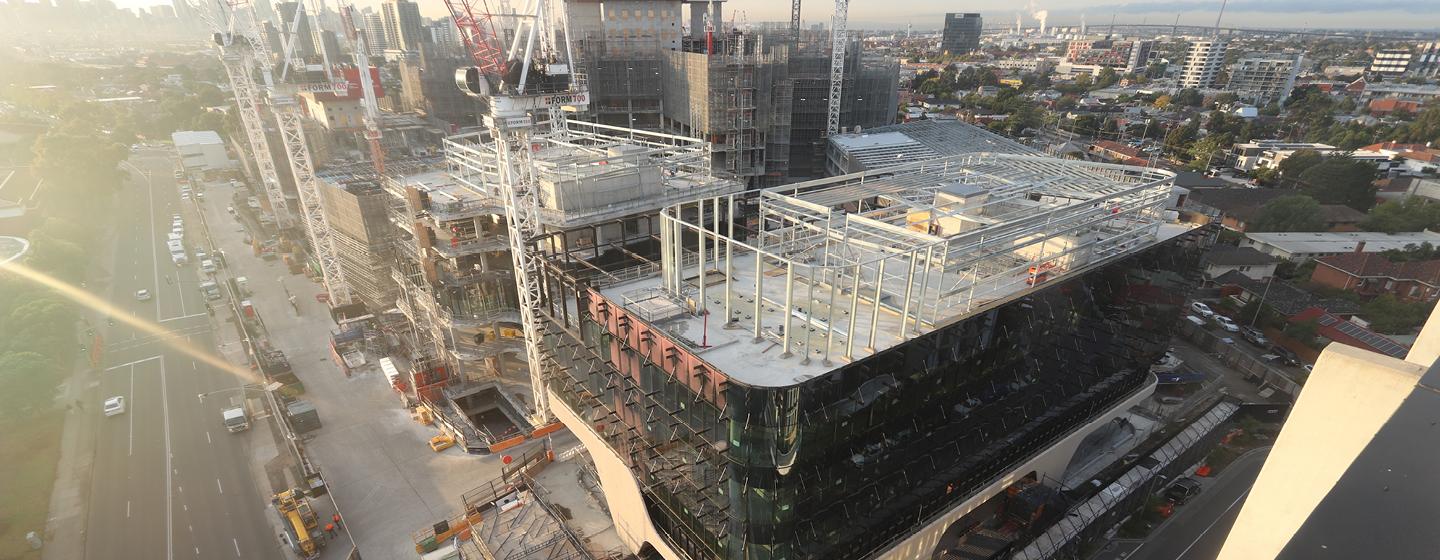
{"type": "Point", "coordinates": [1375, 265]}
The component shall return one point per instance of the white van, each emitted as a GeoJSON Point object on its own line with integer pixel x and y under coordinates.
{"type": "Point", "coordinates": [207, 266]}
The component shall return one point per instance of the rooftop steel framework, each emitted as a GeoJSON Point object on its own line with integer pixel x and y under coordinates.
{"type": "Point", "coordinates": [844, 267]}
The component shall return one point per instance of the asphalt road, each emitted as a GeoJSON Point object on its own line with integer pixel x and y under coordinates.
{"type": "Point", "coordinates": [168, 480]}
{"type": "Point", "coordinates": [1198, 529]}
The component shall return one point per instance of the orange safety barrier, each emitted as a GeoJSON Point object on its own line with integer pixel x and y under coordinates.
{"type": "Point", "coordinates": [506, 443]}
{"type": "Point", "coordinates": [547, 429]}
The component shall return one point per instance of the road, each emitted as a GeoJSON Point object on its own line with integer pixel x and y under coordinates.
{"type": "Point", "coordinates": [1198, 529]}
{"type": "Point", "coordinates": [168, 481]}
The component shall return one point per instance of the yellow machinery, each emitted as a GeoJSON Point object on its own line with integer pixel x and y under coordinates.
{"type": "Point", "coordinates": [299, 521]}
{"type": "Point", "coordinates": [441, 442]}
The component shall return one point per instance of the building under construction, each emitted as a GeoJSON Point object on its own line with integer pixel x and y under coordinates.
{"type": "Point", "coordinates": [760, 98]}
{"type": "Point", "coordinates": [878, 359]}
{"type": "Point", "coordinates": [601, 187]}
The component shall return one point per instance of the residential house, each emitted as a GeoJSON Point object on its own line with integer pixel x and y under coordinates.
{"type": "Point", "coordinates": [1302, 246]}
{"type": "Point", "coordinates": [1116, 152]}
{"type": "Point", "coordinates": [1374, 274]}
{"type": "Point", "coordinates": [1237, 207]}
{"type": "Point", "coordinates": [1350, 333]}
{"type": "Point", "coordinates": [1383, 107]}
{"type": "Point", "coordinates": [1222, 259]}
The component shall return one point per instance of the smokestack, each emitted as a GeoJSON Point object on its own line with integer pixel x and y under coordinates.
{"type": "Point", "coordinates": [1017, 24]}
{"type": "Point", "coordinates": [1043, 15]}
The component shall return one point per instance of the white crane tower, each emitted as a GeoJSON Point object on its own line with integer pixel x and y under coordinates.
{"type": "Point", "coordinates": [243, 52]}
{"type": "Point", "coordinates": [536, 80]}
{"type": "Point", "coordinates": [838, 42]}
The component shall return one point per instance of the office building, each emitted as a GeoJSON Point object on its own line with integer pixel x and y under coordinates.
{"type": "Point", "coordinates": [961, 34]}
{"type": "Point", "coordinates": [404, 30]}
{"type": "Point", "coordinates": [1203, 62]}
{"type": "Point", "coordinates": [1264, 78]}
{"type": "Point", "coordinates": [1352, 473]}
{"type": "Point", "coordinates": [864, 368]}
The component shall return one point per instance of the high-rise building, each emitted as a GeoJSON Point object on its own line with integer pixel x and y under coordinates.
{"type": "Point", "coordinates": [830, 378]}
{"type": "Point", "coordinates": [1203, 62]}
{"type": "Point", "coordinates": [1265, 78]}
{"type": "Point", "coordinates": [375, 38]}
{"type": "Point", "coordinates": [404, 30]}
{"type": "Point", "coordinates": [961, 34]}
{"type": "Point", "coordinates": [758, 97]}
{"type": "Point", "coordinates": [444, 35]}
{"type": "Point", "coordinates": [1124, 56]}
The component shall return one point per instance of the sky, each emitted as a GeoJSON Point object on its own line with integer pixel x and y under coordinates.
{"type": "Point", "coordinates": [930, 14]}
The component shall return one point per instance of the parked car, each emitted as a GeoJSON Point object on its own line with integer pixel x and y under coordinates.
{"type": "Point", "coordinates": [1182, 490]}
{"type": "Point", "coordinates": [1226, 323]}
{"type": "Point", "coordinates": [114, 405]}
{"type": "Point", "coordinates": [1254, 336]}
{"type": "Point", "coordinates": [1285, 355]}
{"type": "Point", "coordinates": [142, 295]}
{"type": "Point", "coordinates": [1195, 321]}
{"type": "Point", "coordinates": [1202, 310]}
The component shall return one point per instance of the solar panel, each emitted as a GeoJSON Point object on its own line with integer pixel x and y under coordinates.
{"type": "Point", "coordinates": [1369, 337]}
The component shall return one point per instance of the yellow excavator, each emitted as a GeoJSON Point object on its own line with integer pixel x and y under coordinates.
{"type": "Point", "coordinates": [300, 521]}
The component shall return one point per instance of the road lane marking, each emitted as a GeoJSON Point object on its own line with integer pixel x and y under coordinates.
{"type": "Point", "coordinates": [132, 425]}
{"type": "Point", "coordinates": [127, 364]}
{"type": "Point", "coordinates": [154, 250]}
{"type": "Point", "coordinates": [179, 317]}
{"type": "Point", "coordinates": [127, 509]}
{"type": "Point", "coordinates": [192, 365]}
{"type": "Point", "coordinates": [169, 498]}
{"type": "Point", "coordinates": [219, 487]}
{"type": "Point", "coordinates": [1212, 523]}
{"type": "Point", "coordinates": [207, 437]}
{"type": "Point", "coordinates": [237, 547]}
{"type": "Point", "coordinates": [7, 180]}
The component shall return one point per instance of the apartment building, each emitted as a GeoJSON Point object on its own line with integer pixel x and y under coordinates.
{"type": "Point", "coordinates": [1265, 78]}
{"type": "Point", "coordinates": [961, 34]}
{"type": "Point", "coordinates": [1203, 62]}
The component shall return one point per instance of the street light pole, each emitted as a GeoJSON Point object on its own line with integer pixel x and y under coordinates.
{"type": "Point", "coordinates": [1261, 305]}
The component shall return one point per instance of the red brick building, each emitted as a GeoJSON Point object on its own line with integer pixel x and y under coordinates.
{"type": "Point", "coordinates": [1371, 274]}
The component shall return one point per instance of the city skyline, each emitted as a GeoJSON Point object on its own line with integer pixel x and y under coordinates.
{"type": "Point", "coordinates": [928, 15]}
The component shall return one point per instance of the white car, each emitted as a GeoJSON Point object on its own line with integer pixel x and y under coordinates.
{"type": "Point", "coordinates": [142, 295]}
{"type": "Point", "coordinates": [114, 405]}
{"type": "Point", "coordinates": [1202, 310]}
{"type": "Point", "coordinates": [1226, 323]}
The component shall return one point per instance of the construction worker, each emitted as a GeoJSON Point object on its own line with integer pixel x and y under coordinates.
{"type": "Point", "coordinates": [330, 529]}
{"type": "Point", "coordinates": [336, 519]}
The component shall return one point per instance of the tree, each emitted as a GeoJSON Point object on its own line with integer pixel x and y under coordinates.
{"type": "Point", "coordinates": [1189, 98]}
{"type": "Point", "coordinates": [1107, 77]}
{"type": "Point", "coordinates": [1291, 167]}
{"type": "Point", "coordinates": [1295, 212]}
{"type": "Point", "coordinates": [1180, 137]}
{"type": "Point", "coordinates": [1205, 151]}
{"type": "Point", "coordinates": [1306, 332]}
{"type": "Point", "coordinates": [1389, 315]}
{"type": "Point", "coordinates": [1162, 102]}
{"type": "Point", "coordinates": [1411, 214]}
{"type": "Point", "coordinates": [1341, 180]}
{"type": "Point", "coordinates": [29, 379]}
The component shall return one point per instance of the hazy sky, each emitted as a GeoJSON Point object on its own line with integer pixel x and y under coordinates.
{"type": "Point", "coordinates": [929, 14]}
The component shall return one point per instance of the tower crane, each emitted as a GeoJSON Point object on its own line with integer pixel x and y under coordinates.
{"type": "Point", "coordinates": [242, 52]}
{"type": "Point", "coordinates": [517, 92]}
{"type": "Point", "coordinates": [795, 21]}
{"type": "Point", "coordinates": [838, 42]}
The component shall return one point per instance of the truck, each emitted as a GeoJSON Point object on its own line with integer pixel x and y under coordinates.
{"type": "Point", "coordinates": [210, 289]}
{"type": "Point", "coordinates": [234, 416]}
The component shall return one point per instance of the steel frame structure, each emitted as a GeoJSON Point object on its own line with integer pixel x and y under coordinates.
{"type": "Point", "coordinates": [317, 228]}
{"type": "Point", "coordinates": [869, 248]}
